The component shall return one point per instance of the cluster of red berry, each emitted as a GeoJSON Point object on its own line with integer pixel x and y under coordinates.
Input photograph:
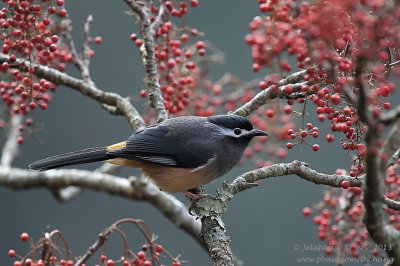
{"type": "Point", "coordinates": [48, 256]}
{"type": "Point", "coordinates": [28, 31]}
{"type": "Point", "coordinates": [177, 56]}
{"type": "Point", "coordinates": [339, 219]}
{"type": "Point", "coordinates": [339, 216]}
{"type": "Point", "coordinates": [141, 258]}
{"type": "Point", "coordinates": [330, 53]}
{"type": "Point", "coordinates": [358, 49]}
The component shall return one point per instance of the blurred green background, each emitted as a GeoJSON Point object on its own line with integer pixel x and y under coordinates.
{"type": "Point", "coordinates": [264, 223]}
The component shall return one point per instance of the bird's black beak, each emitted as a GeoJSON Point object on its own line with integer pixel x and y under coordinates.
{"type": "Point", "coordinates": [257, 132]}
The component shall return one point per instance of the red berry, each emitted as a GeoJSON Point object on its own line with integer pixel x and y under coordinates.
{"type": "Point", "coordinates": [103, 258]}
{"type": "Point", "coordinates": [171, 63]}
{"type": "Point", "coordinates": [287, 109]}
{"type": "Point", "coordinates": [306, 211]}
{"type": "Point", "coordinates": [315, 147]}
{"type": "Point", "coordinates": [288, 90]}
{"type": "Point", "coordinates": [176, 263]}
{"type": "Point", "coordinates": [11, 253]}
{"type": "Point", "coordinates": [141, 255]}
{"type": "Point", "coordinates": [194, 3]}
{"type": "Point", "coordinates": [55, 38]}
{"type": "Point", "coordinates": [46, 21]}
{"type": "Point", "coordinates": [190, 65]}
{"type": "Point", "coordinates": [345, 184]}
{"type": "Point", "coordinates": [159, 248]}
{"type": "Point", "coordinates": [143, 93]}
{"type": "Point", "coordinates": [20, 140]}
{"type": "Point", "coordinates": [375, 252]}
{"type": "Point", "coordinates": [344, 66]}
{"type": "Point", "coordinates": [24, 237]}
{"type": "Point", "coordinates": [133, 37]}
{"type": "Point", "coordinates": [202, 52]}
{"type": "Point", "coordinates": [320, 110]}
{"type": "Point", "coordinates": [386, 105]}
{"type": "Point", "coordinates": [62, 13]}
{"type": "Point", "coordinates": [270, 113]}
{"type": "Point", "coordinates": [110, 262]}
{"type": "Point", "coordinates": [53, 48]}
{"type": "Point", "coordinates": [330, 137]}
{"type": "Point", "coordinates": [329, 251]}
{"type": "Point", "coordinates": [303, 133]}
{"type": "Point", "coordinates": [200, 45]}
{"type": "Point", "coordinates": [43, 106]}
{"type": "Point", "coordinates": [289, 145]}
{"type": "Point", "coordinates": [184, 37]}
{"type": "Point", "coordinates": [138, 42]}
{"type": "Point", "coordinates": [256, 67]}
{"type": "Point", "coordinates": [98, 39]}
{"type": "Point", "coordinates": [60, 2]}
{"type": "Point", "coordinates": [264, 7]}
{"type": "Point", "coordinates": [263, 85]}
{"type": "Point", "coordinates": [61, 67]}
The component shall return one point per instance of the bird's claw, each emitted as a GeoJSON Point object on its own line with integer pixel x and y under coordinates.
{"type": "Point", "coordinates": [193, 198]}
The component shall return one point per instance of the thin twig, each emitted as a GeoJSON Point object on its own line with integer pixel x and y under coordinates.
{"type": "Point", "coordinates": [86, 51]}
{"type": "Point", "coordinates": [149, 57]}
{"type": "Point", "coordinates": [66, 27]}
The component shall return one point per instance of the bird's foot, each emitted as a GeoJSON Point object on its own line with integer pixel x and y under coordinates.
{"type": "Point", "coordinates": [194, 195]}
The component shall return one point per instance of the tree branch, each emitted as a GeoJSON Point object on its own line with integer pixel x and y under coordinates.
{"type": "Point", "coordinates": [391, 147]}
{"type": "Point", "coordinates": [10, 148]}
{"type": "Point", "coordinates": [294, 80]}
{"type": "Point", "coordinates": [381, 232]}
{"type": "Point", "coordinates": [85, 62]}
{"type": "Point", "coordinates": [395, 205]}
{"type": "Point", "coordinates": [111, 99]}
{"type": "Point", "coordinates": [149, 57]}
{"type": "Point", "coordinates": [211, 210]}
{"type": "Point", "coordinates": [391, 116]}
{"type": "Point", "coordinates": [134, 188]}
{"type": "Point", "coordinates": [66, 28]}
{"type": "Point", "coordinates": [301, 169]}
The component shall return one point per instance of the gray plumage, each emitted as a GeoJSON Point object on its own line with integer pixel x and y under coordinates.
{"type": "Point", "coordinates": [177, 154]}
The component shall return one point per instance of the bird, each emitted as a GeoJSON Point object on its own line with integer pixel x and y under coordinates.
{"type": "Point", "coordinates": [178, 154]}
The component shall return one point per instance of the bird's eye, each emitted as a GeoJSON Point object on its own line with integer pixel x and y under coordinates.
{"type": "Point", "coordinates": [237, 131]}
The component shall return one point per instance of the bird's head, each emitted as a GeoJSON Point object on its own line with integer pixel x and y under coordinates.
{"type": "Point", "coordinates": [236, 127]}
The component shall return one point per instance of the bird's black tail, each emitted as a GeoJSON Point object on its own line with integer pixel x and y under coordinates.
{"type": "Point", "coordinates": [76, 157]}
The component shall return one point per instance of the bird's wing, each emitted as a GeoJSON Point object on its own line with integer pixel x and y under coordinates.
{"type": "Point", "coordinates": [154, 145]}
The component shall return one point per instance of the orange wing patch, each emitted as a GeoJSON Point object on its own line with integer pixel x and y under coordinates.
{"type": "Point", "coordinates": [121, 161]}
{"type": "Point", "coordinates": [116, 146]}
